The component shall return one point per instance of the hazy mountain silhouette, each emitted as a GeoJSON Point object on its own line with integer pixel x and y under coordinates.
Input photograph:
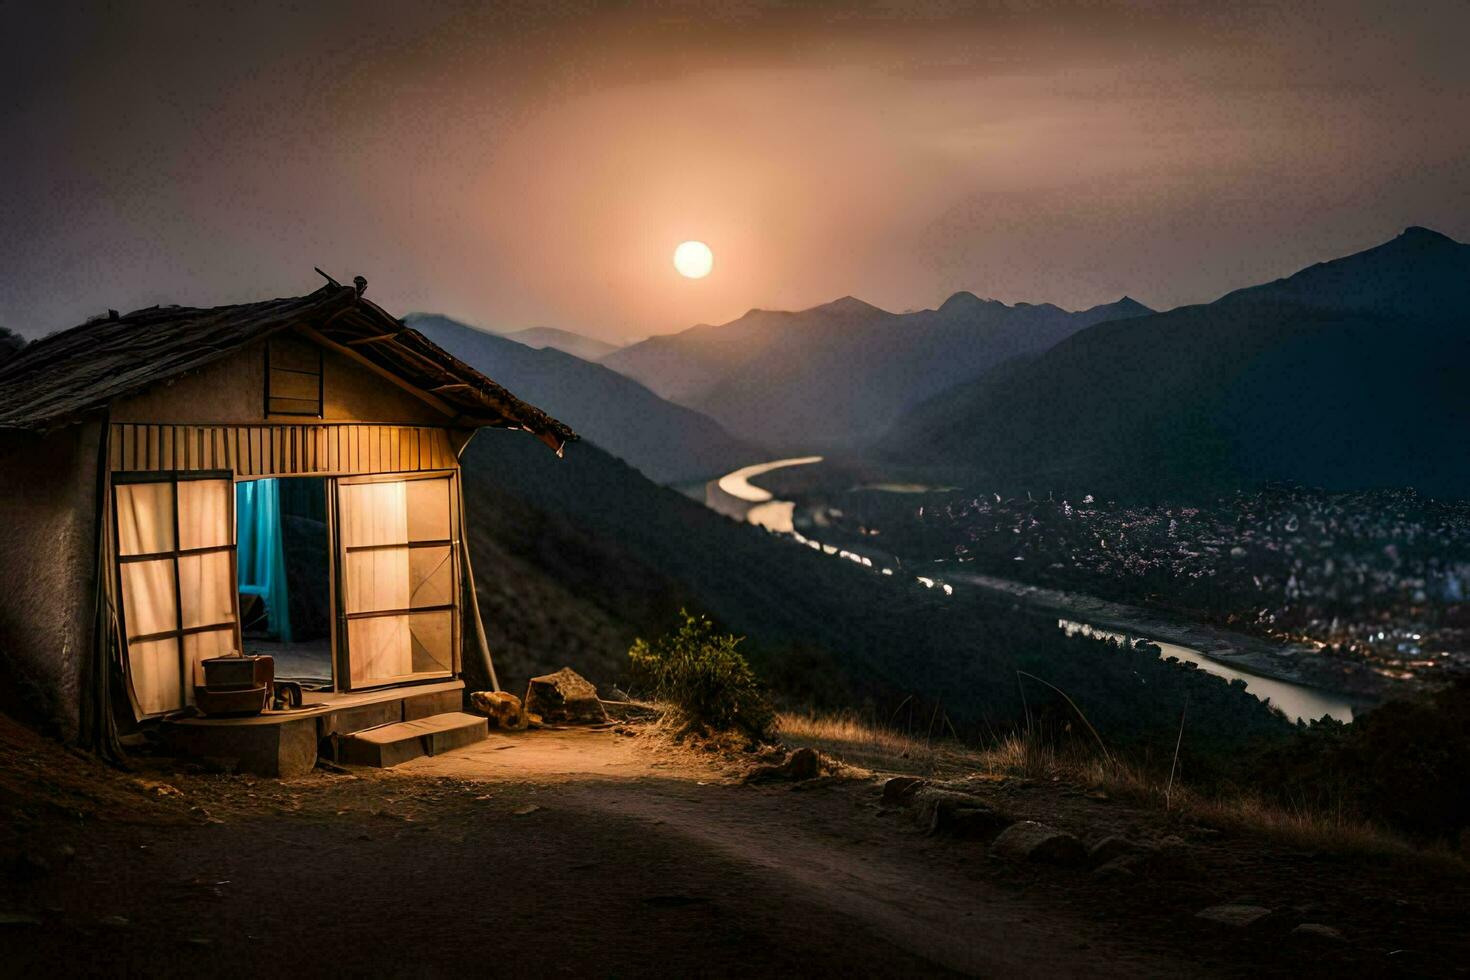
{"type": "Point", "coordinates": [1348, 374]}
{"type": "Point", "coordinates": [667, 442]}
{"type": "Point", "coordinates": [587, 348]}
{"type": "Point", "coordinates": [840, 373]}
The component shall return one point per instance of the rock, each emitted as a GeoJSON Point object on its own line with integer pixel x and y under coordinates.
{"type": "Point", "coordinates": [1236, 916]}
{"type": "Point", "coordinates": [1119, 867]}
{"type": "Point", "coordinates": [1028, 840]}
{"type": "Point", "coordinates": [800, 765]}
{"type": "Point", "coordinates": [804, 763]}
{"type": "Point", "coordinates": [1110, 849]}
{"type": "Point", "coordinates": [899, 790]}
{"type": "Point", "coordinates": [503, 709]}
{"type": "Point", "coordinates": [564, 696]}
{"type": "Point", "coordinates": [1316, 930]}
{"type": "Point", "coordinates": [927, 801]}
{"type": "Point", "coordinates": [1170, 859]}
{"type": "Point", "coordinates": [942, 811]}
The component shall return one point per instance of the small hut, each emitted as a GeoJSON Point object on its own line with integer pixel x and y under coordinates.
{"type": "Point", "coordinates": [278, 477]}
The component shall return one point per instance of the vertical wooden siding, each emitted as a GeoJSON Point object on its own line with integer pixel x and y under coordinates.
{"type": "Point", "coordinates": [280, 450]}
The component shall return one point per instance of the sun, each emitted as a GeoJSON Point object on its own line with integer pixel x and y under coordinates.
{"type": "Point", "coordinates": [694, 260]}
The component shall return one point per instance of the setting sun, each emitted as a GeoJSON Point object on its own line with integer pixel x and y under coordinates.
{"type": "Point", "coordinates": [694, 260]}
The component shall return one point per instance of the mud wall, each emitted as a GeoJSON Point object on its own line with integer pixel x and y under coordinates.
{"type": "Point", "coordinates": [47, 572]}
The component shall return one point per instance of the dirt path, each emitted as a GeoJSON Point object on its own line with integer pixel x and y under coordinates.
{"type": "Point", "coordinates": [591, 853]}
{"type": "Point", "coordinates": [814, 845]}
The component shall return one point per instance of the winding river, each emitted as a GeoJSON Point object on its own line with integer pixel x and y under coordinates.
{"type": "Point", "coordinates": [734, 495]}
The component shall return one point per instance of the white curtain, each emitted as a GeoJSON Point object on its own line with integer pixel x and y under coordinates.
{"type": "Point", "coordinates": [145, 518]}
{"type": "Point", "coordinates": [394, 564]}
{"type": "Point", "coordinates": [205, 594]}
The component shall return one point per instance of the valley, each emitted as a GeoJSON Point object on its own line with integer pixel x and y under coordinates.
{"type": "Point", "coordinates": [1281, 674]}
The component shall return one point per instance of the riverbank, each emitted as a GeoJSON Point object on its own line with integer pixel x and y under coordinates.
{"type": "Point", "coordinates": [1277, 670]}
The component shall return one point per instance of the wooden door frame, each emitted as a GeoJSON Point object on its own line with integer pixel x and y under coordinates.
{"type": "Point", "coordinates": [341, 646]}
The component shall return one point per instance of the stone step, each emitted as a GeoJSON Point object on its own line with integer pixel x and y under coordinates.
{"type": "Point", "coordinates": [389, 745]}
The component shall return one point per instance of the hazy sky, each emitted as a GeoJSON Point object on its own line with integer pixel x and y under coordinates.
{"type": "Point", "coordinates": [537, 165]}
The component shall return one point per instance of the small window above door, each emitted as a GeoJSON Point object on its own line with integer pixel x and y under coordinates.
{"type": "Point", "coordinates": [293, 376]}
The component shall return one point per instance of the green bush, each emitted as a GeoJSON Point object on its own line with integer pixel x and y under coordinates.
{"type": "Point", "coordinates": [702, 675]}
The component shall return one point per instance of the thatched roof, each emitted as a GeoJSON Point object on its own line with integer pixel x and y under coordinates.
{"type": "Point", "coordinates": [69, 375]}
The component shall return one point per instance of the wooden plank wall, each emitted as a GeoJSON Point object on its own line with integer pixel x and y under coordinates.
{"type": "Point", "coordinates": [281, 450]}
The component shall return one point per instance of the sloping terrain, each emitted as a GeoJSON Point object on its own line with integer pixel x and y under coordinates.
{"type": "Point", "coordinates": [668, 443]}
{"type": "Point", "coordinates": [1346, 375]}
{"type": "Point", "coordinates": [465, 864]}
{"type": "Point", "coordinates": [574, 557]}
{"type": "Point", "coordinates": [840, 373]}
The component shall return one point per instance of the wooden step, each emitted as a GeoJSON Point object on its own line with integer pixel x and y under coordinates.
{"type": "Point", "coordinates": [389, 745]}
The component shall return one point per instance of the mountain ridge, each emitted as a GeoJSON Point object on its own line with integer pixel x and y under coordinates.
{"type": "Point", "coordinates": [666, 442]}
{"type": "Point", "coordinates": [579, 345]}
{"type": "Point", "coordinates": [1339, 375]}
{"type": "Point", "coordinates": [836, 374]}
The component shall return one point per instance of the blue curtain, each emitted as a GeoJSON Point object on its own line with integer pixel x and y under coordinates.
{"type": "Point", "coordinates": [261, 555]}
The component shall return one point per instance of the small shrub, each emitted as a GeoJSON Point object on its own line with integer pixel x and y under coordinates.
{"type": "Point", "coordinates": [702, 675]}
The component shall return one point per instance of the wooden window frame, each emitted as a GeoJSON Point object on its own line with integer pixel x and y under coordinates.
{"type": "Point", "coordinates": [321, 382]}
{"type": "Point", "coordinates": [343, 660]}
{"type": "Point", "coordinates": [174, 478]}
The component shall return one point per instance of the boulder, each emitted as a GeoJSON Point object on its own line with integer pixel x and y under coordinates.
{"type": "Point", "coordinates": [503, 709]}
{"type": "Point", "coordinates": [942, 811]}
{"type": "Point", "coordinates": [1172, 858]}
{"type": "Point", "coordinates": [1316, 930]}
{"type": "Point", "coordinates": [564, 696]}
{"type": "Point", "coordinates": [804, 763]}
{"type": "Point", "coordinates": [1109, 849]}
{"type": "Point", "coordinates": [1235, 916]}
{"type": "Point", "coordinates": [800, 765]}
{"type": "Point", "coordinates": [1028, 840]}
{"type": "Point", "coordinates": [1118, 868]}
{"type": "Point", "coordinates": [899, 790]}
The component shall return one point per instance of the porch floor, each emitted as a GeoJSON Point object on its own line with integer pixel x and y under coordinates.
{"type": "Point", "coordinates": [317, 703]}
{"type": "Point", "coordinates": [288, 743]}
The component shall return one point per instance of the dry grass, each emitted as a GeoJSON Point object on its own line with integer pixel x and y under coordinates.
{"type": "Point", "coordinates": [857, 742]}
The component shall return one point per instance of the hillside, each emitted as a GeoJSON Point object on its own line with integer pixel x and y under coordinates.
{"type": "Point", "coordinates": [839, 373]}
{"type": "Point", "coordinates": [1345, 376]}
{"type": "Point", "coordinates": [574, 557]}
{"type": "Point", "coordinates": [669, 443]}
{"type": "Point", "coordinates": [587, 348]}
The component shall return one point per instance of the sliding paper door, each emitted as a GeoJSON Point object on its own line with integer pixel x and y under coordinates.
{"type": "Point", "coordinates": [399, 578]}
{"type": "Point", "coordinates": [176, 573]}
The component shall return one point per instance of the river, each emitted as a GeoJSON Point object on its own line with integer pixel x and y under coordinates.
{"type": "Point", "coordinates": [734, 495]}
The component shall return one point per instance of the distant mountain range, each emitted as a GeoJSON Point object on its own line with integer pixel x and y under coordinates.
{"type": "Point", "coordinates": [667, 442]}
{"type": "Point", "coordinates": [839, 374]}
{"type": "Point", "coordinates": [1348, 374]}
{"type": "Point", "coordinates": [587, 348]}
